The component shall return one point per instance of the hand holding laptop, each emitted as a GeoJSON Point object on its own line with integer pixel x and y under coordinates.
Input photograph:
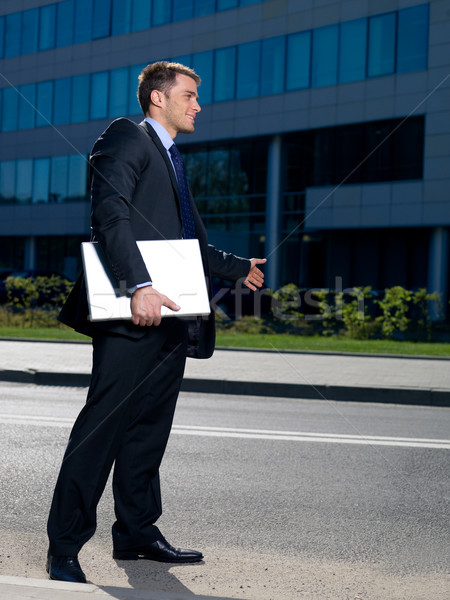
{"type": "Point", "coordinates": [146, 306]}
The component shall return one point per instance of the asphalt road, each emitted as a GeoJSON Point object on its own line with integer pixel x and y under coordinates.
{"type": "Point", "coordinates": [286, 498]}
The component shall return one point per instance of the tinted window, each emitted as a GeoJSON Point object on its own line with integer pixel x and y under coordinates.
{"type": "Point", "coordinates": [121, 17]}
{"type": "Point", "coordinates": [64, 23]}
{"type": "Point", "coordinates": [203, 65]}
{"type": "Point", "coordinates": [324, 56]}
{"type": "Point", "coordinates": [182, 9]}
{"type": "Point", "coordinates": [7, 181]}
{"type": "Point", "coordinates": [141, 14]}
{"type": "Point", "coordinates": [30, 22]}
{"type": "Point", "coordinates": [204, 7]}
{"type": "Point", "coordinates": [10, 109]}
{"type": "Point", "coordinates": [77, 180]}
{"type": "Point", "coordinates": [118, 92]}
{"type": "Point", "coordinates": [382, 45]}
{"type": "Point", "coordinates": [298, 61]}
{"type": "Point", "coordinates": [63, 100]}
{"type": "Point", "coordinates": [44, 102]}
{"type": "Point", "coordinates": [133, 104]}
{"type": "Point", "coordinates": [161, 12]}
{"type": "Point", "coordinates": [225, 4]}
{"type": "Point", "coordinates": [24, 180]}
{"type": "Point", "coordinates": [58, 179]}
{"type": "Point", "coordinates": [101, 18]}
{"type": "Point", "coordinates": [27, 103]}
{"type": "Point", "coordinates": [412, 43]}
{"type": "Point", "coordinates": [83, 21]}
{"type": "Point", "coordinates": [225, 67]}
{"type": "Point", "coordinates": [352, 51]}
{"type": "Point", "coordinates": [47, 24]}
{"type": "Point", "coordinates": [2, 36]}
{"type": "Point", "coordinates": [13, 24]}
{"type": "Point", "coordinates": [272, 65]}
{"type": "Point", "coordinates": [248, 70]}
{"type": "Point", "coordinates": [80, 99]}
{"type": "Point", "coordinates": [41, 177]}
{"type": "Point", "coordinates": [99, 95]}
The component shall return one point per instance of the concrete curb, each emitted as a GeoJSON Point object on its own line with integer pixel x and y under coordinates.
{"type": "Point", "coordinates": [24, 588]}
{"type": "Point", "coordinates": [384, 395]}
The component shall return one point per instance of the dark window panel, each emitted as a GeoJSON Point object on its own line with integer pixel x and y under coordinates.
{"type": "Point", "coordinates": [141, 14]}
{"type": "Point", "coordinates": [133, 103]}
{"type": "Point", "coordinates": [7, 181]}
{"type": "Point", "coordinates": [249, 58]}
{"type": "Point", "coordinates": [101, 21]}
{"type": "Point", "coordinates": [272, 65]}
{"type": "Point", "coordinates": [24, 180]}
{"type": "Point", "coordinates": [13, 25]}
{"type": "Point", "coordinates": [161, 12]}
{"type": "Point", "coordinates": [44, 103]}
{"type": "Point", "coordinates": [41, 180]}
{"type": "Point", "coordinates": [2, 37]}
{"type": "Point", "coordinates": [118, 92]}
{"type": "Point", "coordinates": [30, 28]}
{"type": "Point", "coordinates": [224, 75]}
{"type": "Point", "coordinates": [77, 178]}
{"type": "Point", "coordinates": [99, 95]}
{"type": "Point", "coordinates": [412, 39]}
{"type": "Point", "coordinates": [182, 9]}
{"type": "Point", "coordinates": [62, 101]}
{"type": "Point", "coordinates": [65, 23]}
{"type": "Point", "coordinates": [47, 26]}
{"type": "Point", "coordinates": [353, 51]}
{"type": "Point", "coordinates": [121, 17]}
{"type": "Point", "coordinates": [324, 56]}
{"type": "Point", "coordinates": [83, 21]}
{"type": "Point", "coordinates": [381, 60]}
{"type": "Point", "coordinates": [10, 109]}
{"type": "Point", "coordinates": [58, 178]}
{"type": "Point", "coordinates": [27, 103]}
{"type": "Point", "coordinates": [204, 7]}
{"type": "Point", "coordinates": [202, 63]}
{"type": "Point", "coordinates": [298, 61]}
{"type": "Point", "coordinates": [226, 4]}
{"type": "Point", "coordinates": [80, 99]}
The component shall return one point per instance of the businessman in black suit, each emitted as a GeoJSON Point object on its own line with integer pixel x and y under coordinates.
{"type": "Point", "coordinates": [139, 192]}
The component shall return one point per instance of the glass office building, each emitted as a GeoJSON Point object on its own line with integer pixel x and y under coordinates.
{"type": "Point", "coordinates": [323, 142]}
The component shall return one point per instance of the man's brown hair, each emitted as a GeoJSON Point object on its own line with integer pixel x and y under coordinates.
{"type": "Point", "coordinates": [160, 76]}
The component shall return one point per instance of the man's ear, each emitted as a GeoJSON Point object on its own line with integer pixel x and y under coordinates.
{"type": "Point", "coordinates": [156, 97]}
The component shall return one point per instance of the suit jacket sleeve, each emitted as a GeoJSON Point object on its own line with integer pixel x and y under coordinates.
{"type": "Point", "coordinates": [117, 160]}
{"type": "Point", "coordinates": [227, 266]}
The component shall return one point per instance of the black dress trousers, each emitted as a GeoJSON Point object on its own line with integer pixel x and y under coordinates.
{"type": "Point", "coordinates": [127, 419]}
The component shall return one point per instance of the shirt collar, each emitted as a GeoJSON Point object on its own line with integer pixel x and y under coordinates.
{"type": "Point", "coordinates": [161, 132]}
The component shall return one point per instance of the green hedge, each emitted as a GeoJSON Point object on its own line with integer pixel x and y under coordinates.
{"type": "Point", "coordinates": [359, 313]}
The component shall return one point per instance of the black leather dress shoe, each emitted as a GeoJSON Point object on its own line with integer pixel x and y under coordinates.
{"type": "Point", "coordinates": [161, 551]}
{"type": "Point", "coordinates": [65, 568]}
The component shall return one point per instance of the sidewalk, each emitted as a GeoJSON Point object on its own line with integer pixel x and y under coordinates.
{"type": "Point", "coordinates": [22, 588]}
{"type": "Point", "coordinates": [360, 378]}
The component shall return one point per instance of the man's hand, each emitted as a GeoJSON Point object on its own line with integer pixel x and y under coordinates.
{"type": "Point", "coordinates": [146, 305]}
{"type": "Point", "coordinates": [255, 277]}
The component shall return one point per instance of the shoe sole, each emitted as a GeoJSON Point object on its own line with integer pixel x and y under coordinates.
{"type": "Point", "coordinates": [118, 555]}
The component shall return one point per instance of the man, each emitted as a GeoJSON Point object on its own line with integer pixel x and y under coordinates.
{"type": "Point", "coordinates": [139, 192]}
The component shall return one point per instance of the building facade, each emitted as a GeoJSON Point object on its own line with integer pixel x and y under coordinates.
{"type": "Point", "coordinates": [323, 141]}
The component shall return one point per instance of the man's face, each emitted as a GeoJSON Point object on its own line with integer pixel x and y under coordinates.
{"type": "Point", "coordinates": [180, 106]}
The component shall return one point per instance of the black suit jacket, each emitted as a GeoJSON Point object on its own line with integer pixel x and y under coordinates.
{"type": "Point", "coordinates": [135, 197]}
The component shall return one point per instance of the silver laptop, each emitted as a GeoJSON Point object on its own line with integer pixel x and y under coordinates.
{"type": "Point", "coordinates": [175, 267]}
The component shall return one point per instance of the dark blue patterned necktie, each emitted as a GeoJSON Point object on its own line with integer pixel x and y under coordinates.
{"type": "Point", "coordinates": [185, 202]}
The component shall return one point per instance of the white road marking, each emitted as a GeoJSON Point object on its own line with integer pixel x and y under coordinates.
{"type": "Point", "coordinates": [253, 434]}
